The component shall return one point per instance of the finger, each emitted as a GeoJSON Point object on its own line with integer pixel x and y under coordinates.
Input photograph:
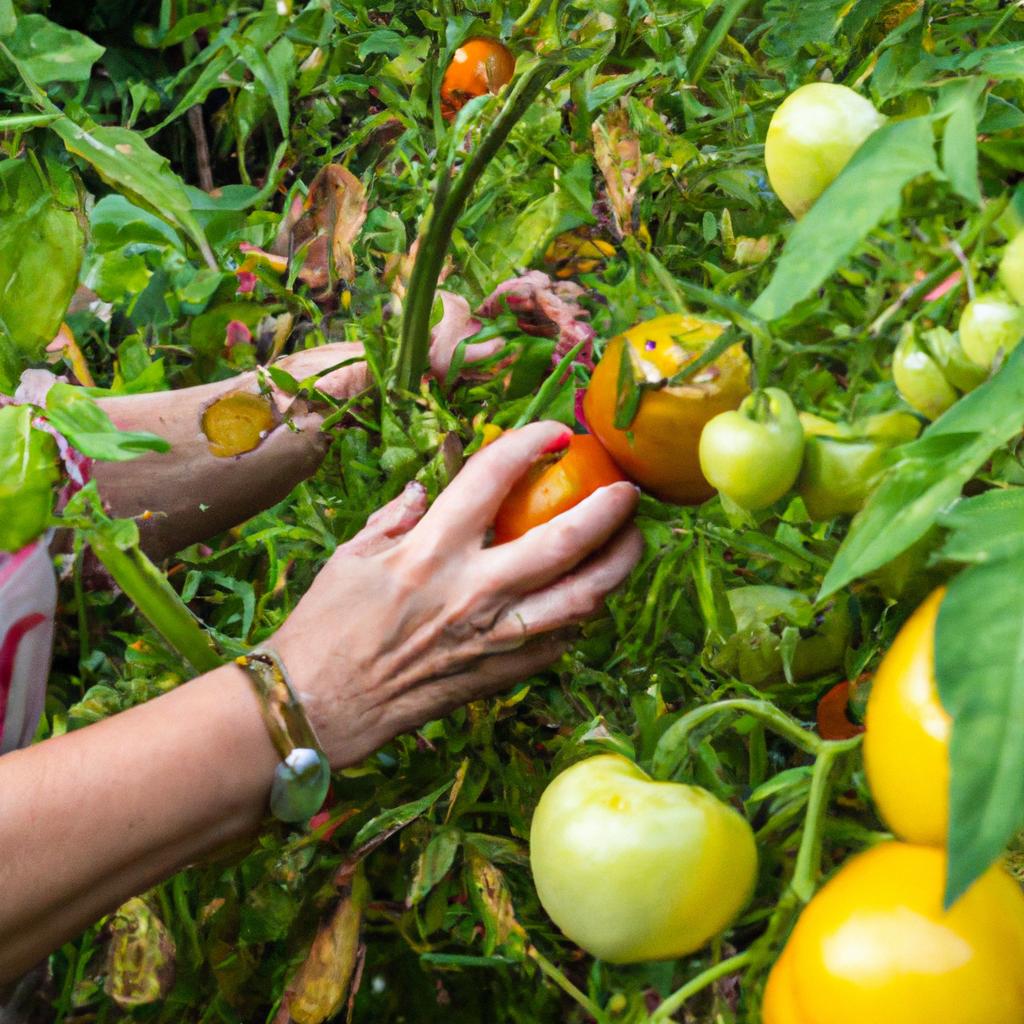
{"type": "Point", "coordinates": [468, 505]}
{"type": "Point", "coordinates": [389, 523]}
{"type": "Point", "coordinates": [552, 549]}
{"type": "Point", "coordinates": [575, 597]}
{"type": "Point", "coordinates": [439, 697]}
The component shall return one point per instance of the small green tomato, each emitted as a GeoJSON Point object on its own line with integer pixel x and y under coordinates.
{"type": "Point", "coordinates": [990, 324]}
{"type": "Point", "coordinates": [752, 455]}
{"type": "Point", "coordinates": [632, 869]}
{"type": "Point", "coordinates": [811, 138]}
{"type": "Point", "coordinates": [1011, 268]}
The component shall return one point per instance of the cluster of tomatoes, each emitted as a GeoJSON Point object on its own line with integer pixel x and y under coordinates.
{"type": "Point", "coordinates": [634, 869]}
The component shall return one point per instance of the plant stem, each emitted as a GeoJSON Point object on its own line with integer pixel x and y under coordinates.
{"type": "Point", "coordinates": [700, 982]}
{"type": "Point", "coordinates": [667, 753]}
{"type": "Point", "coordinates": [147, 588]}
{"type": "Point", "coordinates": [712, 38]}
{"type": "Point", "coordinates": [449, 201]}
{"type": "Point", "coordinates": [808, 858]}
{"type": "Point", "coordinates": [552, 972]}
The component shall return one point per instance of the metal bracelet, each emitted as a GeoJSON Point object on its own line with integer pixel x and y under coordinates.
{"type": "Point", "coordinates": [301, 779]}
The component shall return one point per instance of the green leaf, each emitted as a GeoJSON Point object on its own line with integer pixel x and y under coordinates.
{"type": "Point", "coordinates": [28, 472]}
{"type": "Point", "coordinates": [960, 139]}
{"type": "Point", "coordinates": [979, 668]}
{"type": "Point", "coordinates": [628, 390]}
{"type": "Point", "coordinates": [124, 160]}
{"type": "Point", "coordinates": [52, 53]}
{"type": "Point", "coordinates": [90, 430]}
{"type": "Point", "coordinates": [434, 863]}
{"type": "Point", "coordinates": [985, 528]}
{"type": "Point", "coordinates": [391, 821]}
{"type": "Point", "coordinates": [867, 191]}
{"type": "Point", "coordinates": [8, 18]}
{"type": "Point", "coordinates": [930, 473]}
{"type": "Point", "coordinates": [41, 247]}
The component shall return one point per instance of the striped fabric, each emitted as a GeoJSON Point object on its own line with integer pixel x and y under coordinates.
{"type": "Point", "coordinates": [28, 600]}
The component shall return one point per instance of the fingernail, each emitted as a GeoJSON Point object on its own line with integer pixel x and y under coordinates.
{"type": "Point", "coordinates": [557, 444]}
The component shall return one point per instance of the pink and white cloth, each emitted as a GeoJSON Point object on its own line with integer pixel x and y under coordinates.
{"type": "Point", "coordinates": [28, 601]}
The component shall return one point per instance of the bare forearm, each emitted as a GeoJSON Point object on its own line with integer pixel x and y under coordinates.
{"type": "Point", "coordinates": [105, 813]}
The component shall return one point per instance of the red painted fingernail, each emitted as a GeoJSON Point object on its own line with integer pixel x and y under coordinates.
{"type": "Point", "coordinates": [557, 444]}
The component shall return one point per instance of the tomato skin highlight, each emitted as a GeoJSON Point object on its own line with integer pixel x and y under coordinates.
{"type": "Point", "coordinates": [659, 451]}
{"type": "Point", "coordinates": [810, 139]}
{"type": "Point", "coordinates": [874, 946]}
{"type": "Point", "coordinates": [551, 488]}
{"type": "Point", "coordinates": [752, 455]}
{"type": "Point", "coordinates": [632, 869]}
{"type": "Point", "coordinates": [477, 67]}
{"type": "Point", "coordinates": [906, 747]}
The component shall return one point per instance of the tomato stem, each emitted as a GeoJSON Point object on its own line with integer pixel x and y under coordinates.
{"type": "Point", "coordinates": [552, 972]}
{"type": "Point", "coordinates": [700, 982]}
{"type": "Point", "coordinates": [449, 200]}
{"type": "Point", "coordinates": [808, 858]}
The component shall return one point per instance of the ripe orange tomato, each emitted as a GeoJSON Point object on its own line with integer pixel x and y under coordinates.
{"type": "Point", "coordinates": [659, 450]}
{"type": "Point", "coordinates": [874, 946]}
{"type": "Point", "coordinates": [554, 485]}
{"type": "Point", "coordinates": [478, 66]}
{"type": "Point", "coordinates": [906, 746]}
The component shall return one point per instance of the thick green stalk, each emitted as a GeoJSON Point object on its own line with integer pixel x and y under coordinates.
{"type": "Point", "coordinates": [699, 983]}
{"type": "Point", "coordinates": [552, 972]}
{"type": "Point", "coordinates": [449, 201]}
{"type": "Point", "coordinates": [147, 588]}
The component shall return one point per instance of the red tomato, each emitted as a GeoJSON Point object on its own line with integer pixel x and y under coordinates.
{"type": "Point", "coordinates": [833, 719]}
{"type": "Point", "coordinates": [554, 485]}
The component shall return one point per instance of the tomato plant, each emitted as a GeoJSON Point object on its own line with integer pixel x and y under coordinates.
{"type": "Point", "coordinates": [633, 869]}
{"type": "Point", "coordinates": [555, 485]}
{"type": "Point", "coordinates": [668, 216]}
{"type": "Point", "coordinates": [659, 448]}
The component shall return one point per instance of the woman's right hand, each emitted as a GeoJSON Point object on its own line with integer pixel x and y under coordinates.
{"type": "Point", "coordinates": [415, 616]}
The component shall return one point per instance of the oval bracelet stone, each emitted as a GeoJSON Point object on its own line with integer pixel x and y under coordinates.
{"type": "Point", "coordinates": [300, 785]}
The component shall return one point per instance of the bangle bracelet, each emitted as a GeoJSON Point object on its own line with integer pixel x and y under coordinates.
{"type": "Point", "coordinates": [301, 779]}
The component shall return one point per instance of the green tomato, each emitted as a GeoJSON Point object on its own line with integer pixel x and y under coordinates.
{"type": "Point", "coordinates": [990, 324]}
{"type": "Point", "coordinates": [1011, 268]}
{"type": "Point", "coordinates": [919, 379]}
{"type": "Point", "coordinates": [811, 138]}
{"type": "Point", "coordinates": [753, 454]}
{"type": "Point", "coordinates": [632, 869]}
{"type": "Point", "coordinates": [842, 462]}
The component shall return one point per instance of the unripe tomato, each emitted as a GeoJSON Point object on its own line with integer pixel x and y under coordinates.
{"type": "Point", "coordinates": [660, 449]}
{"type": "Point", "coordinates": [478, 66]}
{"type": "Point", "coordinates": [990, 324]}
{"type": "Point", "coordinates": [919, 380]}
{"type": "Point", "coordinates": [874, 946]}
{"type": "Point", "coordinates": [1011, 268]}
{"type": "Point", "coordinates": [906, 747]}
{"type": "Point", "coordinates": [632, 869]}
{"type": "Point", "coordinates": [811, 138]}
{"type": "Point", "coordinates": [753, 454]}
{"type": "Point", "coordinates": [554, 484]}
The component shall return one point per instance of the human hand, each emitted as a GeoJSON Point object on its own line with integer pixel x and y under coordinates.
{"type": "Point", "coordinates": [414, 616]}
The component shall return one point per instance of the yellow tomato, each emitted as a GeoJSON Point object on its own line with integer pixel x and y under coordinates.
{"type": "Point", "coordinates": [811, 138]}
{"type": "Point", "coordinates": [660, 448]}
{"type": "Point", "coordinates": [632, 869]}
{"type": "Point", "coordinates": [874, 946]}
{"type": "Point", "coordinates": [906, 746]}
